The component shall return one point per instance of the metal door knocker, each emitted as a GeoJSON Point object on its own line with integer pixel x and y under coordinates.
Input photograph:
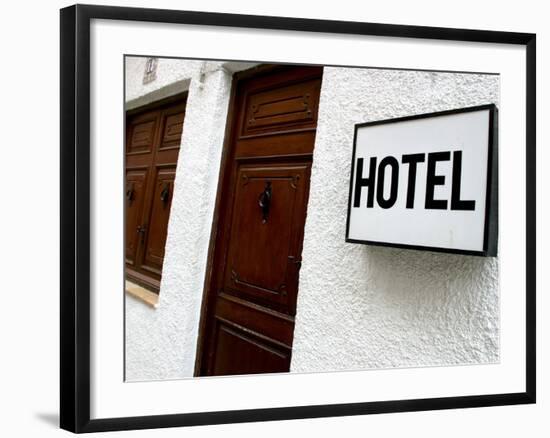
{"type": "Point", "coordinates": [165, 193]}
{"type": "Point", "coordinates": [264, 201]}
{"type": "Point", "coordinates": [130, 193]}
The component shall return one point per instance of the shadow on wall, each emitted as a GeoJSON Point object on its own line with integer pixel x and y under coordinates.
{"type": "Point", "coordinates": [51, 419]}
{"type": "Point", "coordinates": [439, 309]}
{"type": "Point", "coordinates": [424, 276]}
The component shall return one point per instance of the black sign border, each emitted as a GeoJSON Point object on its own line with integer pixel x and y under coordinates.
{"type": "Point", "coordinates": [490, 233]}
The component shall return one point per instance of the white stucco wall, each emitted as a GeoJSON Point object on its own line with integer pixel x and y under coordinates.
{"type": "Point", "coordinates": [363, 306]}
{"type": "Point", "coordinates": [358, 306]}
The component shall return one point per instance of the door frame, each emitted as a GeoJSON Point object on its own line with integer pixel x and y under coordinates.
{"type": "Point", "coordinates": [224, 176]}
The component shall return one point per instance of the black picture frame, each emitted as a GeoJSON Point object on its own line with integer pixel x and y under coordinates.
{"type": "Point", "coordinates": [490, 232]}
{"type": "Point", "coordinates": [75, 217]}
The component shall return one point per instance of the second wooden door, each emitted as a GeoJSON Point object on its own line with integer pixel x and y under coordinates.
{"type": "Point", "coordinates": [152, 146]}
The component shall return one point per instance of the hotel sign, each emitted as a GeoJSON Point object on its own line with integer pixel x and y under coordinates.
{"type": "Point", "coordinates": [427, 181]}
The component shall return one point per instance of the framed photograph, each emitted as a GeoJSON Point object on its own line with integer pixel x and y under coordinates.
{"type": "Point", "coordinates": [267, 218]}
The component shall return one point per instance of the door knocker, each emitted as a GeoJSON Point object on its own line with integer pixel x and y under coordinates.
{"type": "Point", "coordinates": [130, 192]}
{"type": "Point", "coordinates": [164, 195]}
{"type": "Point", "coordinates": [264, 201]}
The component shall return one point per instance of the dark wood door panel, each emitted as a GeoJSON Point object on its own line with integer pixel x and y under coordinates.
{"type": "Point", "coordinates": [136, 180]}
{"type": "Point", "coordinates": [263, 248]}
{"type": "Point", "coordinates": [283, 100]}
{"type": "Point", "coordinates": [272, 324]}
{"type": "Point", "coordinates": [157, 225]}
{"type": "Point", "coordinates": [240, 351]}
{"type": "Point", "coordinates": [290, 106]}
{"type": "Point", "coordinates": [275, 145]}
{"type": "Point", "coordinates": [142, 130]}
{"type": "Point", "coordinates": [172, 127]}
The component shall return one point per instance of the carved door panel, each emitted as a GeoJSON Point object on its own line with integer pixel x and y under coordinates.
{"type": "Point", "coordinates": [248, 321]}
{"type": "Point", "coordinates": [264, 245]}
{"type": "Point", "coordinates": [136, 180]}
{"type": "Point", "coordinates": [152, 147]}
{"type": "Point", "coordinates": [155, 240]}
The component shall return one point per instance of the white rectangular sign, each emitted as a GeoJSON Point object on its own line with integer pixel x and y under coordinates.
{"type": "Point", "coordinates": [427, 181]}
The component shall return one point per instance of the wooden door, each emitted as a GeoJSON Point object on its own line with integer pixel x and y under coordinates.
{"type": "Point", "coordinates": [250, 306]}
{"type": "Point", "coordinates": [152, 145]}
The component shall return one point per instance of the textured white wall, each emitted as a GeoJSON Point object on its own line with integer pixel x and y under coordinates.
{"type": "Point", "coordinates": [358, 306]}
{"type": "Point", "coordinates": [161, 342]}
{"type": "Point", "coordinates": [363, 306]}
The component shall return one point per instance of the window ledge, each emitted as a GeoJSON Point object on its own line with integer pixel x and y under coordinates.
{"type": "Point", "coordinates": [142, 294]}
